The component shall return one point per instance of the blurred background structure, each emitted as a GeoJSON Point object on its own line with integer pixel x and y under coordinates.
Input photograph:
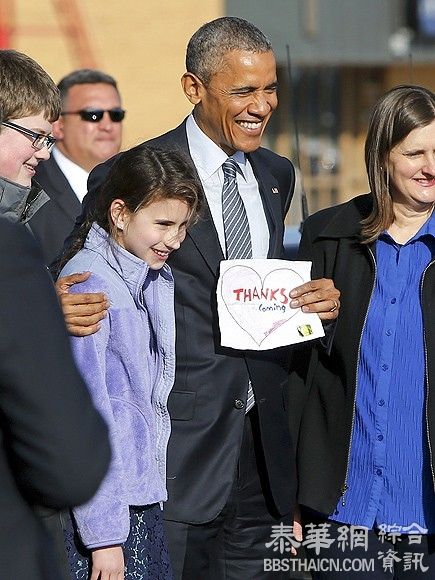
{"type": "Point", "coordinates": [340, 54]}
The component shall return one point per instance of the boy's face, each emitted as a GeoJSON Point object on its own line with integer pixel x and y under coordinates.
{"type": "Point", "coordinates": [18, 158]}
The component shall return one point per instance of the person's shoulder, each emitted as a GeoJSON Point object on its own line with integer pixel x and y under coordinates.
{"type": "Point", "coordinates": [88, 261]}
{"type": "Point", "coordinates": [325, 215]}
{"type": "Point", "coordinates": [99, 172]}
{"type": "Point", "coordinates": [15, 238]}
{"type": "Point", "coordinates": [344, 214]}
{"type": "Point", "coordinates": [9, 228]}
{"type": "Point", "coordinates": [282, 169]}
{"type": "Point", "coordinates": [272, 158]}
{"type": "Point", "coordinates": [173, 139]}
{"type": "Point", "coordinates": [104, 278]}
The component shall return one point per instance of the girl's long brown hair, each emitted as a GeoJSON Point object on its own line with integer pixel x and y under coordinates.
{"type": "Point", "coordinates": [138, 177]}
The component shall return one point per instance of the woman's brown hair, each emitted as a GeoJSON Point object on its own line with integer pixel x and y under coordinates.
{"type": "Point", "coordinates": [397, 113]}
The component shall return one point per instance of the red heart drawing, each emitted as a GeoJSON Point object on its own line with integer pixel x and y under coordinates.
{"type": "Point", "coordinates": [258, 305]}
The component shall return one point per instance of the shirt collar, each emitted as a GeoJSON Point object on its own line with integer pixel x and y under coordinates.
{"type": "Point", "coordinates": [427, 229]}
{"type": "Point", "coordinates": [76, 175]}
{"type": "Point", "coordinates": [429, 226]}
{"type": "Point", "coordinates": [66, 164]}
{"type": "Point", "coordinates": [207, 156]}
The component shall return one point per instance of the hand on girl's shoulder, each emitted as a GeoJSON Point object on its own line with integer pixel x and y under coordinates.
{"type": "Point", "coordinates": [84, 301]}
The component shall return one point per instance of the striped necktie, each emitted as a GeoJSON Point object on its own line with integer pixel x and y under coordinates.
{"type": "Point", "coordinates": [236, 227]}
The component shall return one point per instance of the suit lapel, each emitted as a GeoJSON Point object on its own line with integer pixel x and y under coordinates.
{"type": "Point", "coordinates": [203, 233]}
{"type": "Point", "coordinates": [205, 238]}
{"type": "Point", "coordinates": [271, 198]}
{"type": "Point", "coordinates": [64, 197]}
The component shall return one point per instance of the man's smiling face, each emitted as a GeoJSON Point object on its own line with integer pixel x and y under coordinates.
{"type": "Point", "coordinates": [235, 106]}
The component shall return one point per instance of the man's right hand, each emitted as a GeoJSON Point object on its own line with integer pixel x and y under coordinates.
{"type": "Point", "coordinates": [82, 312]}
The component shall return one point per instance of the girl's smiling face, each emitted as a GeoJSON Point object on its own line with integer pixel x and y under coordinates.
{"type": "Point", "coordinates": [152, 232]}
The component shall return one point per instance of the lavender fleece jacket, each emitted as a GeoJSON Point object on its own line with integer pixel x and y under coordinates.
{"type": "Point", "coordinates": [129, 367]}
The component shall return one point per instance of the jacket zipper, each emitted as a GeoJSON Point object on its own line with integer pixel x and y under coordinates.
{"type": "Point", "coordinates": [427, 379]}
{"type": "Point", "coordinates": [29, 204]}
{"type": "Point", "coordinates": [25, 211]}
{"type": "Point", "coordinates": [344, 487]}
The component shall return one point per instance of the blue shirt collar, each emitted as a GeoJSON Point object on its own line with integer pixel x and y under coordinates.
{"type": "Point", "coordinates": [427, 229]}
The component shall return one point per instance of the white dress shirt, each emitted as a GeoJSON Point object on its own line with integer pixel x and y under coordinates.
{"type": "Point", "coordinates": [208, 159]}
{"type": "Point", "coordinates": [76, 175]}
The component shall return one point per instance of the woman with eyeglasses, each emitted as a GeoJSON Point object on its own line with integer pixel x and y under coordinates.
{"type": "Point", "coordinates": [366, 439]}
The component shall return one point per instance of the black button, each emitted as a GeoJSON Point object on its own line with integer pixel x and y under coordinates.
{"type": "Point", "coordinates": [239, 404]}
{"type": "Point", "coordinates": [381, 403]}
{"type": "Point", "coordinates": [393, 300]}
{"type": "Point", "coordinates": [380, 437]}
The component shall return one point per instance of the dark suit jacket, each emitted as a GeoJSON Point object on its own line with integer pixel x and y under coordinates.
{"type": "Point", "coordinates": [55, 220]}
{"type": "Point", "coordinates": [54, 449]}
{"type": "Point", "coordinates": [207, 423]}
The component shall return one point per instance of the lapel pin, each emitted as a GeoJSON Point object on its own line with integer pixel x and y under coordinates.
{"type": "Point", "coordinates": [275, 190]}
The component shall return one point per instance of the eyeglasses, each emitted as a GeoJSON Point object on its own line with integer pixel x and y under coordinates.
{"type": "Point", "coordinates": [95, 115]}
{"type": "Point", "coordinates": [39, 139]}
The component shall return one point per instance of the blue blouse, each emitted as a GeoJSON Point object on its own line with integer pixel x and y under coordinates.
{"type": "Point", "coordinates": [389, 479]}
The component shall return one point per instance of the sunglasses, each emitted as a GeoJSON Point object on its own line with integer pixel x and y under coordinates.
{"type": "Point", "coordinates": [39, 139]}
{"type": "Point", "coordinates": [95, 115]}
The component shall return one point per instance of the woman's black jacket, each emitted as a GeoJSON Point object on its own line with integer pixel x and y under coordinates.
{"type": "Point", "coordinates": [324, 381]}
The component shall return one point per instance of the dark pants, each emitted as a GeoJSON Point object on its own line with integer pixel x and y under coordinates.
{"type": "Point", "coordinates": [347, 551]}
{"type": "Point", "coordinates": [233, 545]}
{"type": "Point", "coordinates": [52, 522]}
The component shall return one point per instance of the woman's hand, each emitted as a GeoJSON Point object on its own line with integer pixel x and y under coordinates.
{"type": "Point", "coordinates": [108, 564]}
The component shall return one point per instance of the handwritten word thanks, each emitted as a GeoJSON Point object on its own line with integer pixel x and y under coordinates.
{"type": "Point", "coordinates": [280, 295]}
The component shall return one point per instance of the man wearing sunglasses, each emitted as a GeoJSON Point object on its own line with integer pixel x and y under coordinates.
{"type": "Point", "coordinates": [88, 132]}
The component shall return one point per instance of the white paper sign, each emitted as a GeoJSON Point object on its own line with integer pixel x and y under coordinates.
{"type": "Point", "coordinates": [253, 298]}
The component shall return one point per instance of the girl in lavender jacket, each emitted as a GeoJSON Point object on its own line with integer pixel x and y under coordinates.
{"type": "Point", "coordinates": [145, 205]}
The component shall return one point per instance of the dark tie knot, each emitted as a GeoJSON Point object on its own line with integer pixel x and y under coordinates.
{"type": "Point", "coordinates": [230, 168]}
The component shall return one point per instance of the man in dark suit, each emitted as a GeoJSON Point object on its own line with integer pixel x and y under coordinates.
{"type": "Point", "coordinates": [231, 473]}
{"type": "Point", "coordinates": [54, 449]}
{"type": "Point", "coordinates": [88, 132]}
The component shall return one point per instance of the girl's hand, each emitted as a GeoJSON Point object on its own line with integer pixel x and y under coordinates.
{"type": "Point", "coordinates": [108, 564]}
